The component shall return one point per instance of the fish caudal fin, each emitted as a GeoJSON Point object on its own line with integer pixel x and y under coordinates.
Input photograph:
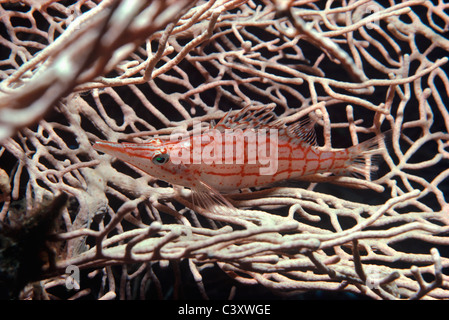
{"type": "Point", "coordinates": [365, 157]}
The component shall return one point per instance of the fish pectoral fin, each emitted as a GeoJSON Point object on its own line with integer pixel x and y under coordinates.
{"type": "Point", "coordinates": [210, 199]}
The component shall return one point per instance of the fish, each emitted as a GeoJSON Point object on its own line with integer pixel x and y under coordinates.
{"type": "Point", "coordinates": [250, 148]}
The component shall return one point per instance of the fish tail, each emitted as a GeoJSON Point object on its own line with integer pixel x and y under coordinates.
{"type": "Point", "coordinates": [365, 157]}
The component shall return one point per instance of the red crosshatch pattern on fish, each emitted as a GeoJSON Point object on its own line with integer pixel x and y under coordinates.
{"type": "Point", "coordinates": [251, 148]}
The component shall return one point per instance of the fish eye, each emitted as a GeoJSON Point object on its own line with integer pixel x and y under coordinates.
{"type": "Point", "coordinates": [161, 159]}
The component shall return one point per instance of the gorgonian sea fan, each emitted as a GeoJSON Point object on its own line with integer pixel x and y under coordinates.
{"type": "Point", "coordinates": [76, 72]}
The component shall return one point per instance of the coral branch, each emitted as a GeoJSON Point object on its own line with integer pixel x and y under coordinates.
{"type": "Point", "coordinates": [80, 71]}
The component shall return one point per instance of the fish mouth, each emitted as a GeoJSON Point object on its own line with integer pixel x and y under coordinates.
{"type": "Point", "coordinates": [111, 148]}
{"type": "Point", "coordinates": [105, 146]}
{"type": "Point", "coordinates": [124, 151]}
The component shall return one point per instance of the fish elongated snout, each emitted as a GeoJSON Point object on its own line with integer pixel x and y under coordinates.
{"type": "Point", "coordinates": [102, 145]}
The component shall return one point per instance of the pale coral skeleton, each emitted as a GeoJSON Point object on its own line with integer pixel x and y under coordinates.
{"type": "Point", "coordinates": [146, 79]}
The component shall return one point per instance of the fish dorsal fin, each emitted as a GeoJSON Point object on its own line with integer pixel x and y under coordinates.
{"type": "Point", "coordinates": [303, 131]}
{"type": "Point", "coordinates": [250, 117]}
{"type": "Point", "coordinates": [263, 117]}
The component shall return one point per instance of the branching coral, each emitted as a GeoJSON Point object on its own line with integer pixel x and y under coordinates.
{"type": "Point", "coordinates": [73, 74]}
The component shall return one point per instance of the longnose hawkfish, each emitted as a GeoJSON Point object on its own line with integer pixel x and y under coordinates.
{"type": "Point", "coordinates": [251, 148]}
